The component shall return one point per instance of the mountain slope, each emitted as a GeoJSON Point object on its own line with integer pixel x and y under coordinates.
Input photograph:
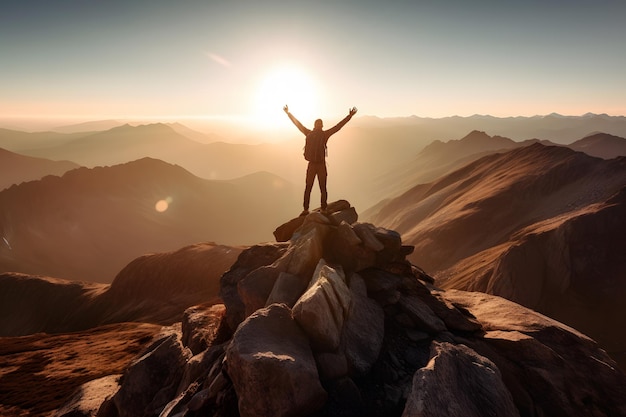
{"type": "Point", "coordinates": [25, 142]}
{"type": "Point", "coordinates": [89, 223]}
{"type": "Point", "coordinates": [122, 144]}
{"type": "Point", "coordinates": [153, 288]}
{"type": "Point", "coordinates": [539, 225]}
{"type": "Point", "coordinates": [440, 158]}
{"type": "Point", "coordinates": [356, 156]}
{"type": "Point", "coordinates": [601, 145]}
{"type": "Point", "coordinates": [15, 168]}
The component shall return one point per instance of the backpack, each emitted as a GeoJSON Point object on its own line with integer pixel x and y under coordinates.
{"type": "Point", "coordinates": [315, 147]}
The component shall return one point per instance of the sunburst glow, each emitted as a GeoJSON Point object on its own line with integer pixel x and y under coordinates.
{"type": "Point", "coordinates": [285, 85]}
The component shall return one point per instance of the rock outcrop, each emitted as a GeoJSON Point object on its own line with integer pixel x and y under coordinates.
{"type": "Point", "coordinates": [366, 335]}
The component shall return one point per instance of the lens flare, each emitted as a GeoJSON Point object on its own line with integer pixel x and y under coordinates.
{"type": "Point", "coordinates": [162, 205]}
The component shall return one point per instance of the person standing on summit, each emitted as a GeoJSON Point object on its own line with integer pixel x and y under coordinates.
{"type": "Point", "coordinates": [315, 153]}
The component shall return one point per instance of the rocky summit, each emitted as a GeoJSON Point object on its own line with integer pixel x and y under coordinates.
{"type": "Point", "coordinates": [334, 321]}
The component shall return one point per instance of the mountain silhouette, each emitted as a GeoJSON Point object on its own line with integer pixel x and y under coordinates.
{"type": "Point", "coordinates": [15, 168]}
{"type": "Point", "coordinates": [553, 127]}
{"type": "Point", "coordinates": [441, 158]}
{"type": "Point", "coordinates": [601, 145]}
{"type": "Point", "coordinates": [517, 224]}
{"type": "Point", "coordinates": [122, 144]}
{"type": "Point", "coordinates": [391, 154]}
{"type": "Point", "coordinates": [26, 142]}
{"type": "Point", "coordinates": [89, 223]}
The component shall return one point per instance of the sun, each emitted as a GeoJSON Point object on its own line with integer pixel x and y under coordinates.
{"type": "Point", "coordinates": [285, 85]}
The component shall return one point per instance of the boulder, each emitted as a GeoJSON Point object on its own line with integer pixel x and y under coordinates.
{"type": "Point", "coordinates": [331, 365]}
{"type": "Point", "coordinates": [87, 399]}
{"type": "Point", "coordinates": [346, 248]}
{"type": "Point", "coordinates": [347, 234]}
{"type": "Point", "coordinates": [421, 315]}
{"type": "Point", "coordinates": [256, 287]}
{"type": "Point", "coordinates": [202, 326]}
{"type": "Point", "coordinates": [364, 329]}
{"type": "Point", "coordinates": [304, 252]}
{"type": "Point", "coordinates": [250, 259]}
{"type": "Point", "coordinates": [272, 367]}
{"type": "Point", "coordinates": [152, 380]}
{"type": "Point", "coordinates": [322, 309]}
{"type": "Point", "coordinates": [542, 359]}
{"type": "Point", "coordinates": [284, 232]}
{"type": "Point", "coordinates": [458, 382]}
{"type": "Point", "coordinates": [348, 215]}
{"type": "Point", "coordinates": [338, 205]}
{"type": "Point", "coordinates": [365, 232]}
{"type": "Point", "coordinates": [287, 289]}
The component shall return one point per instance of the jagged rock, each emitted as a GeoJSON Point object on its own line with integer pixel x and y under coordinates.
{"type": "Point", "coordinates": [87, 399]}
{"type": "Point", "coordinates": [541, 359]}
{"type": "Point", "coordinates": [201, 364]}
{"type": "Point", "coordinates": [338, 205]}
{"type": "Point", "coordinates": [455, 318]}
{"type": "Point", "coordinates": [348, 250]}
{"type": "Point", "coordinates": [365, 232]}
{"type": "Point", "coordinates": [347, 234]}
{"type": "Point", "coordinates": [459, 382]}
{"type": "Point", "coordinates": [335, 213]}
{"type": "Point", "coordinates": [348, 215]}
{"type": "Point", "coordinates": [152, 380]}
{"type": "Point", "coordinates": [322, 309]}
{"type": "Point", "coordinates": [287, 290]}
{"type": "Point", "coordinates": [378, 342]}
{"type": "Point", "coordinates": [270, 346]}
{"type": "Point", "coordinates": [249, 260]}
{"type": "Point", "coordinates": [201, 326]}
{"type": "Point", "coordinates": [255, 287]}
{"type": "Point", "coordinates": [284, 232]}
{"type": "Point", "coordinates": [304, 253]}
{"type": "Point", "coordinates": [421, 315]}
{"type": "Point", "coordinates": [178, 406]}
{"type": "Point", "coordinates": [364, 329]}
{"type": "Point", "coordinates": [331, 365]}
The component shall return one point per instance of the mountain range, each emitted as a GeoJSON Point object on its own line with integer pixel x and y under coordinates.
{"type": "Point", "coordinates": [89, 223]}
{"type": "Point", "coordinates": [540, 225]}
{"type": "Point", "coordinates": [369, 160]}
{"type": "Point", "coordinates": [16, 168]}
{"type": "Point", "coordinates": [155, 219]}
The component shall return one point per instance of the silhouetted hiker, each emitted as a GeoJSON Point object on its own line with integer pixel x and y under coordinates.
{"type": "Point", "coordinates": [315, 153]}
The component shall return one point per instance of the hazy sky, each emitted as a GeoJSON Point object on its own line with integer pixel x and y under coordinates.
{"type": "Point", "coordinates": [123, 58]}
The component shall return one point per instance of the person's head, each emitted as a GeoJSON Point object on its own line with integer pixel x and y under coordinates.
{"type": "Point", "coordinates": [318, 124]}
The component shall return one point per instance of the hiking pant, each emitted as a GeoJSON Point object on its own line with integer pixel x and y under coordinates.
{"type": "Point", "coordinates": [315, 169]}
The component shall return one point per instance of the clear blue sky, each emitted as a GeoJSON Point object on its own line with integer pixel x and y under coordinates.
{"type": "Point", "coordinates": [98, 59]}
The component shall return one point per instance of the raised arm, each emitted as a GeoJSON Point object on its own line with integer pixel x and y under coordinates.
{"type": "Point", "coordinates": [296, 122]}
{"type": "Point", "coordinates": [335, 129]}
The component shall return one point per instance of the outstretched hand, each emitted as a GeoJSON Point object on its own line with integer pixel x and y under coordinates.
{"type": "Point", "coordinates": [286, 109]}
{"type": "Point", "coordinates": [352, 111]}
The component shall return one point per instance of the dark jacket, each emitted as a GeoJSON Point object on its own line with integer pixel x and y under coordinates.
{"type": "Point", "coordinates": [315, 145]}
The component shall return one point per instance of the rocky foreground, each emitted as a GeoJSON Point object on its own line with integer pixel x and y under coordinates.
{"type": "Point", "coordinates": [336, 322]}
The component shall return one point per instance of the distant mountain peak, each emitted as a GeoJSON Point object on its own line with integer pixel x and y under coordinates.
{"type": "Point", "coordinates": [476, 134]}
